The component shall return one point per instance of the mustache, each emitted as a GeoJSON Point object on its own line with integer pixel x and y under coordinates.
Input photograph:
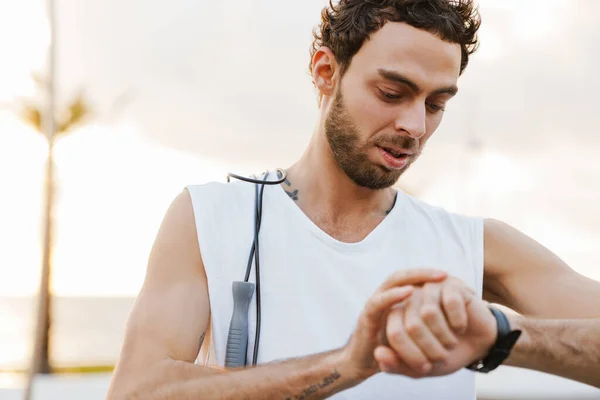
{"type": "Point", "coordinates": [403, 142]}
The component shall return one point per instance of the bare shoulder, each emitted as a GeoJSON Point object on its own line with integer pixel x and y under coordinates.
{"type": "Point", "coordinates": [508, 250]}
{"type": "Point", "coordinates": [508, 253]}
{"type": "Point", "coordinates": [180, 217]}
{"type": "Point", "coordinates": [176, 244]}
{"type": "Point", "coordinates": [497, 238]}
{"type": "Point", "coordinates": [524, 275]}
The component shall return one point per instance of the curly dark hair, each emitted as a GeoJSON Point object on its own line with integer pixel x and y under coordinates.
{"type": "Point", "coordinates": [346, 25]}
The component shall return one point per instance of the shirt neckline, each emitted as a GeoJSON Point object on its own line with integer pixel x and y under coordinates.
{"type": "Point", "coordinates": [369, 240]}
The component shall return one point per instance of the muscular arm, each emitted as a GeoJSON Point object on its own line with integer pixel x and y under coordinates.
{"type": "Point", "coordinates": [169, 319]}
{"type": "Point", "coordinates": [560, 308]}
{"type": "Point", "coordinates": [568, 348]}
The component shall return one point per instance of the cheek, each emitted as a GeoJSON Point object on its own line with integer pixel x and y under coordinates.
{"type": "Point", "coordinates": [371, 117]}
{"type": "Point", "coordinates": [380, 117]}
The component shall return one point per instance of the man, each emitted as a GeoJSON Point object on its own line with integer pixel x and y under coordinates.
{"type": "Point", "coordinates": [344, 295]}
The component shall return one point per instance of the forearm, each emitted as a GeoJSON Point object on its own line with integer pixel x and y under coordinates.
{"type": "Point", "coordinates": [568, 348]}
{"type": "Point", "coordinates": [317, 377]}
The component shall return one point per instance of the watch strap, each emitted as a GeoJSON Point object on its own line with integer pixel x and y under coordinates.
{"type": "Point", "coordinates": [500, 351]}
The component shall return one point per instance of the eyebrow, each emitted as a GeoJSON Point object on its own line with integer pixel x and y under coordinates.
{"type": "Point", "coordinates": [401, 79]}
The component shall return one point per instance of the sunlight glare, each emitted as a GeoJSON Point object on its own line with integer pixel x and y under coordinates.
{"type": "Point", "coordinates": [24, 38]}
{"type": "Point", "coordinates": [22, 158]}
{"type": "Point", "coordinates": [115, 188]}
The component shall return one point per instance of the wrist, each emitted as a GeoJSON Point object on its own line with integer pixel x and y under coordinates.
{"type": "Point", "coordinates": [489, 340]}
{"type": "Point", "coordinates": [356, 372]}
{"type": "Point", "coordinates": [516, 357]}
{"type": "Point", "coordinates": [506, 338]}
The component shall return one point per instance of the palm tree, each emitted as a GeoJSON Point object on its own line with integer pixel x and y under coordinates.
{"type": "Point", "coordinates": [45, 122]}
{"type": "Point", "coordinates": [74, 115]}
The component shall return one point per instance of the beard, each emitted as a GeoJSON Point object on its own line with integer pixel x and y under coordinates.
{"type": "Point", "coordinates": [344, 140]}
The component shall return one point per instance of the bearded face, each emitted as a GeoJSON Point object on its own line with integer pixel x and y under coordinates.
{"type": "Point", "coordinates": [358, 158]}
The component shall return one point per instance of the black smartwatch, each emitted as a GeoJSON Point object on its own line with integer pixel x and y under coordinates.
{"type": "Point", "coordinates": [500, 351]}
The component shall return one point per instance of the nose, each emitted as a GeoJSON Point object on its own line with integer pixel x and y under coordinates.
{"type": "Point", "coordinates": [413, 120]}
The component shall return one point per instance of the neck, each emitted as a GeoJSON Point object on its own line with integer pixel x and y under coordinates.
{"type": "Point", "coordinates": [324, 189]}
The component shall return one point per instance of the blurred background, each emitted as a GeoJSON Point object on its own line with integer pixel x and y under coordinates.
{"type": "Point", "coordinates": [151, 96]}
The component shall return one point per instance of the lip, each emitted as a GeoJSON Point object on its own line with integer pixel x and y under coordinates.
{"type": "Point", "coordinates": [398, 150]}
{"type": "Point", "coordinates": [392, 162]}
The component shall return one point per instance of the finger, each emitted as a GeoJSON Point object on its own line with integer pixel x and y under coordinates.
{"type": "Point", "coordinates": [433, 315]}
{"type": "Point", "coordinates": [420, 333]}
{"type": "Point", "coordinates": [389, 362]}
{"type": "Point", "coordinates": [468, 294]}
{"type": "Point", "coordinates": [403, 345]}
{"type": "Point", "coordinates": [380, 302]}
{"type": "Point", "coordinates": [413, 277]}
{"type": "Point", "coordinates": [453, 302]}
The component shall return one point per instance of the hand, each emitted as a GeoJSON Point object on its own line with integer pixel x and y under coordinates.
{"type": "Point", "coordinates": [370, 328]}
{"type": "Point", "coordinates": [440, 329]}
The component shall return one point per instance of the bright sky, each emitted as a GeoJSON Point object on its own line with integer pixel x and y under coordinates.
{"type": "Point", "coordinates": [117, 177]}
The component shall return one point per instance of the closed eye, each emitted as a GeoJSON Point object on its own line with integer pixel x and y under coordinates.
{"type": "Point", "coordinates": [387, 96]}
{"type": "Point", "coordinates": [434, 108]}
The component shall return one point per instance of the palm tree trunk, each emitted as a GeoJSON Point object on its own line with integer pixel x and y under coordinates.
{"type": "Point", "coordinates": [41, 360]}
{"type": "Point", "coordinates": [41, 352]}
{"type": "Point", "coordinates": [42, 343]}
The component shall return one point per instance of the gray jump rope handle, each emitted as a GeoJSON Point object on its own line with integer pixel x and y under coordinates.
{"type": "Point", "coordinates": [237, 340]}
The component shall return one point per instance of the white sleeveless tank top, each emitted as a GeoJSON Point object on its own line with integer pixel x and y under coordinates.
{"type": "Point", "coordinates": [313, 287]}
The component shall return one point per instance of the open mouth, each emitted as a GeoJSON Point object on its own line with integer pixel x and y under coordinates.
{"type": "Point", "coordinates": [395, 153]}
{"type": "Point", "coordinates": [395, 159]}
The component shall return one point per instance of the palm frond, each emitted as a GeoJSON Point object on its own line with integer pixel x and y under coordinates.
{"type": "Point", "coordinates": [32, 115]}
{"type": "Point", "coordinates": [77, 112]}
{"type": "Point", "coordinates": [40, 81]}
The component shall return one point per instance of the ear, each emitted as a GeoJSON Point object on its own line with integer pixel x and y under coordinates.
{"type": "Point", "coordinates": [325, 71]}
